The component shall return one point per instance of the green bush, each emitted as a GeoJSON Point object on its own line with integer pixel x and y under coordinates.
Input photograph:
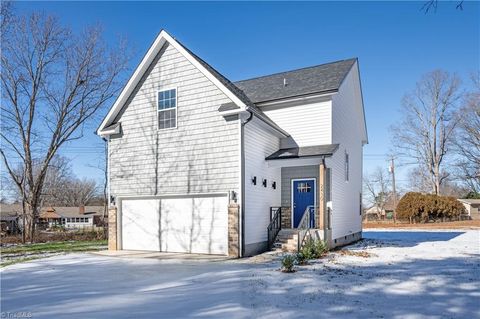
{"type": "Point", "coordinates": [308, 249]}
{"type": "Point", "coordinates": [313, 249]}
{"type": "Point", "coordinates": [321, 248]}
{"type": "Point", "coordinates": [301, 259]}
{"type": "Point", "coordinates": [425, 207]}
{"type": "Point", "coordinates": [288, 262]}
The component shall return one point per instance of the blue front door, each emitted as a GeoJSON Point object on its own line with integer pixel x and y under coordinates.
{"type": "Point", "coordinates": [303, 196]}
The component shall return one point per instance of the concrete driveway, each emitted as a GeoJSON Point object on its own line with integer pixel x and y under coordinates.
{"type": "Point", "coordinates": [160, 255]}
{"type": "Point", "coordinates": [408, 274]}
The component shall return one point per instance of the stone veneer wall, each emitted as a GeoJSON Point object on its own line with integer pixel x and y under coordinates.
{"type": "Point", "coordinates": [112, 228]}
{"type": "Point", "coordinates": [233, 230]}
{"type": "Point", "coordinates": [286, 217]}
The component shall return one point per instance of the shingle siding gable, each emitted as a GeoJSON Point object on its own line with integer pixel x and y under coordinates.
{"type": "Point", "coordinates": [200, 156]}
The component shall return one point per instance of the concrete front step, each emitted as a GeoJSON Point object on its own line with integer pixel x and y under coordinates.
{"type": "Point", "coordinates": [287, 240]}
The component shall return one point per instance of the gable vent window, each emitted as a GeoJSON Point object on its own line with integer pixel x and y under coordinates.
{"type": "Point", "coordinates": [167, 109]}
{"type": "Point", "coordinates": [347, 167]}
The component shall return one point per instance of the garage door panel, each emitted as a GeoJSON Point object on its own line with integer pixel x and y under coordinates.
{"type": "Point", "coordinates": [140, 224]}
{"type": "Point", "coordinates": [197, 225]}
{"type": "Point", "coordinates": [191, 225]}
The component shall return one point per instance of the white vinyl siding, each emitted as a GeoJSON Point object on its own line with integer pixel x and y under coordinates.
{"type": "Point", "coordinates": [348, 132]}
{"type": "Point", "coordinates": [347, 166]}
{"type": "Point", "coordinates": [200, 156]}
{"type": "Point", "coordinates": [308, 124]}
{"type": "Point", "coordinates": [259, 143]}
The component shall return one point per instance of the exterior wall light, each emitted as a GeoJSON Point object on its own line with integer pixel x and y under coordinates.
{"type": "Point", "coordinates": [274, 185]}
{"type": "Point", "coordinates": [264, 183]}
{"type": "Point", "coordinates": [254, 180]}
{"type": "Point", "coordinates": [233, 196]}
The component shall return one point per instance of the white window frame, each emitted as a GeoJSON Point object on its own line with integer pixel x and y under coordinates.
{"type": "Point", "coordinates": [158, 111]}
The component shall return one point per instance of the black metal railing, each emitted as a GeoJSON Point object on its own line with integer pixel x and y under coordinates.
{"type": "Point", "coordinates": [306, 223]}
{"type": "Point", "coordinates": [275, 225]}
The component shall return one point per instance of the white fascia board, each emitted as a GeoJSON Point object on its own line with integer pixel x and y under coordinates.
{"type": "Point", "coordinates": [143, 66]}
{"type": "Point", "coordinates": [110, 131]}
{"type": "Point", "coordinates": [234, 112]}
{"type": "Point", "coordinates": [290, 162]}
{"type": "Point", "coordinates": [299, 100]}
{"type": "Point", "coordinates": [359, 79]}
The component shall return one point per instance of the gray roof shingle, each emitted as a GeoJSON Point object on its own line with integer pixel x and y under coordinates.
{"type": "Point", "coordinates": [322, 78]}
{"type": "Point", "coordinates": [305, 151]}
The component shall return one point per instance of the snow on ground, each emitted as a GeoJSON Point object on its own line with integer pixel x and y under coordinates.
{"type": "Point", "coordinates": [410, 274]}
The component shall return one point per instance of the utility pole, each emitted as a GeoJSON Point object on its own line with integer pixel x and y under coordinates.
{"type": "Point", "coordinates": [392, 170]}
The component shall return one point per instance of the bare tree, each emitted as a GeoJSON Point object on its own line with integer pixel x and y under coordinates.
{"type": "Point", "coordinates": [102, 166]}
{"type": "Point", "coordinates": [468, 138]}
{"type": "Point", "coordinates": [377, 188]}
{"type": "Point", "coordinates": [58, 176]}
{"type": "Point", "coordinates": [418, 180]}
{"type": "Point", "coordinates": [425, 133]}
{"type": "Point", "coordinates": [80, 192]}
{"type": "Point", "coordinates": [61, 187]}
{"type": "Point", "coordinates": [53, 82]}
{"type": "Point", "coordinates": [433, 4]}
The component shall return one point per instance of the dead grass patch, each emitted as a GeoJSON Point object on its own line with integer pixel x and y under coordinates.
{"type": "Point", "coordinates": [362, 253]}
{"type": "Point", "coordinates": [469, 224]}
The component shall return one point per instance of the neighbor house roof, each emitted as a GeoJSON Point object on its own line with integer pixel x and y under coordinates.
{"type": "Point", "coordinates": [324, 78]}
{"type": "Point", "coordinates": [10, 209]}
{"type": "Point", "coordinates": [470, 201]}
{"type": "Point", "coordinates": [305, 151]}
{"type": "Point", "coordinates": [50, 212]}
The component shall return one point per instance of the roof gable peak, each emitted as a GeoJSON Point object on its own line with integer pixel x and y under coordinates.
{"type": "Point", "coordinates": [163, 37]}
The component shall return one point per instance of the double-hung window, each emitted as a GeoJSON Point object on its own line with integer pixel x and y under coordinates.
{"type": "Point", "coordinates": [167, 109]}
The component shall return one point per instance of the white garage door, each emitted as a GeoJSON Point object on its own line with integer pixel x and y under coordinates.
{"type": "Point", "coordinates": [191, 225]}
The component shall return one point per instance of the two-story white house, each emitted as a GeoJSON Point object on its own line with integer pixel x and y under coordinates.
{"type": "Point", "coordinates": [199, 164]}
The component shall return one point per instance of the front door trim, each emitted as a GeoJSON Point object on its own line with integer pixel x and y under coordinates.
{"type": "Point", "coordinates": [292, 194]}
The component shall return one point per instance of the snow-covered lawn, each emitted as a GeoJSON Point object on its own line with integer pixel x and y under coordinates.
{"type": "Point", "coordinates": [410, 274]}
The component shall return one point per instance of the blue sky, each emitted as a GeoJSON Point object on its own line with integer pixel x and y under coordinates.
{"type": "Point", "coordinates": [395, 42]}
